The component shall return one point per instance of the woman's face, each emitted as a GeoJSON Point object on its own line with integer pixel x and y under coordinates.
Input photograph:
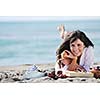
{"type": "Point", "coordinates": [77, 47]}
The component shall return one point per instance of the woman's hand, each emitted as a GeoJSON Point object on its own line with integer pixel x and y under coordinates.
{"type": "Point", "coordinates": [67, 54]}
{"type": "Point", "coordinates": [80, 68]}
{"type": "Point", "coordinates": [76, 68]}
{"type": "Point", "coordinates": [72, 67]}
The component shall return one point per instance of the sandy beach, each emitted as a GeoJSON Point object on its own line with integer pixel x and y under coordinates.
{"type": "Point", "coordinates": [14, 74]}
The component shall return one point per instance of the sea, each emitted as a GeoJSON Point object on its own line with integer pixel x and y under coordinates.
{"type": "Point", "coordinates": [36, 42]}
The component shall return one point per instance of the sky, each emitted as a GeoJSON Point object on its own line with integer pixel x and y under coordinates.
{"type": "Point", "coordinates": [30, 18]}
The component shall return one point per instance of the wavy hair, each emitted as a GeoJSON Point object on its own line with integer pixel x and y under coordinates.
{"type": "Point", "coordinates": [76, 35]}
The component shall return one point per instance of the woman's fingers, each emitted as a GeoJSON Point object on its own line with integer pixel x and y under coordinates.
{"type": "Point", "coordinates": [66, 54]}
{"type": "Point", "coordinates": [63, 55]}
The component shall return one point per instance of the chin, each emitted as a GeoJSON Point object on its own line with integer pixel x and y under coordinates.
{"type": "Point", "coordinates": [77, 55]}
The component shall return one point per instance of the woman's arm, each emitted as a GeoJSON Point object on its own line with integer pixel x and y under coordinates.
{"type": "Point", "coordinates": [86, 60]}
{"type": "Point", "coordinates": [67, 55]}
{"type": "Point", "coordinates": [76, 67]}
{"type": "Point", "coordinates": [71, 61]}
{"type": "Point", "coordinates": [73, 66]}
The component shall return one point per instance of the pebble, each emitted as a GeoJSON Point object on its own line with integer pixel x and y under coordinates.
{"type": "Point", "coordinates": [17, 76]}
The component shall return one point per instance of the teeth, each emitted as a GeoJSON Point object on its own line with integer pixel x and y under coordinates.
{"type": "Point", "coordinates": [75, 53]}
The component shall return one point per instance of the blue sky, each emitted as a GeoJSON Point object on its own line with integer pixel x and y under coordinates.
{"type": "Point", "coordinates": [30, 18]}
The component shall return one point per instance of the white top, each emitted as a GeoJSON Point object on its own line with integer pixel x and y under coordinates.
{"type": "Point", "coordinates": [86, 60]}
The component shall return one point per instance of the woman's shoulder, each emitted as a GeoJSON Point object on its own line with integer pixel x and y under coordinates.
{"type": "Point", "coordinates": [89, 48]}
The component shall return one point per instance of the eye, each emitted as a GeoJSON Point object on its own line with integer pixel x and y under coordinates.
{"type": "Point", "coordinates": [72, 45]}
{"type": "Point", "coordinates": [78, 45]}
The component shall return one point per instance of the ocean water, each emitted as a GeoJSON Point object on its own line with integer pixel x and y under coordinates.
{"type": "Point", "coordinates": [35, 42]}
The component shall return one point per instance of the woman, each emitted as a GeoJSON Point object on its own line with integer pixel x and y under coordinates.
{"type": "Point", "coordinates": [78, 49]}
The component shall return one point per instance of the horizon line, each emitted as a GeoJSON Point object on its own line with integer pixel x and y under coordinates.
{"type": "Point", "coordinates": [46, 18]}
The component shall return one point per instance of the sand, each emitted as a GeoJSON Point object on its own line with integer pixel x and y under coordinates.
{"type": "Point", "coordinates": [14, 74]}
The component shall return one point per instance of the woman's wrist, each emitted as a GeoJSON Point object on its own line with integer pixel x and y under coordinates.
{"type": "Point", "coordinates": [75, 59]}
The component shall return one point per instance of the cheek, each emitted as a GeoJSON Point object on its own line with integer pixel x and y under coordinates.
{"type": "Point", "coordinates": [71, 48]}
{"type": "Point", "coordinates": [81, 49]}
{"type": "Point", "coordinates": [72, 51]}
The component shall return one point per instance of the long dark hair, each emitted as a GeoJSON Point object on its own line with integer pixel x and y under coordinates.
{"type": "Point", "coordinates": [81, 35]}
{"type": "Point", "coordinates": [76, 35]}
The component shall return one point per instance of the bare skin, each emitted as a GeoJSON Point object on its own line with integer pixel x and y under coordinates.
{"type": "Point", "coordinates": [63, 33]}
{"type": "Point", "coordinates": [61, 29]}
{"type": "Point", "coordinates": [77, 48]}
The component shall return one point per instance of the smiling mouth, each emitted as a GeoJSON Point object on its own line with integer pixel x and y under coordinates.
{"type": "Point", "coordinates": [76, 54]}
